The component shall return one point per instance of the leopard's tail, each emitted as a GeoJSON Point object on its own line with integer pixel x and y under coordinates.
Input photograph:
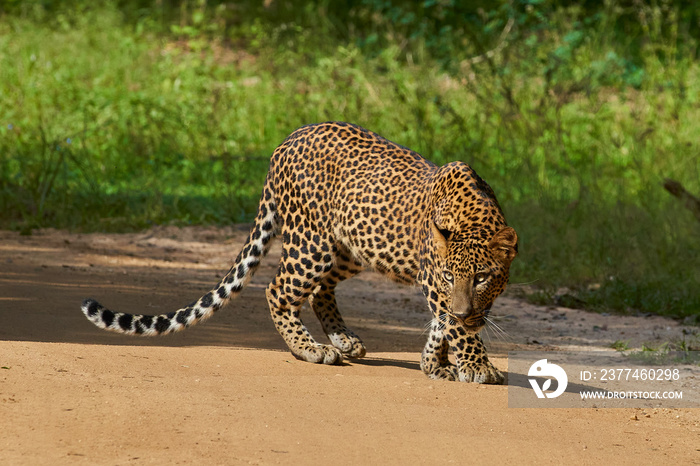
{"type": "Point", "coordinates": [245, 265]}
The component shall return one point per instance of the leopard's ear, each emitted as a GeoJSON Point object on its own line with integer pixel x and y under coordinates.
{"type": "Point", "coordinates": [504, 245]}
{"type": "Point", "coordinates": [440, 237]}
{"type": "Point", "coordinates": [443, 225]}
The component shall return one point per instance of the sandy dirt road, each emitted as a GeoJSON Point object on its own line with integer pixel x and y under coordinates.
{"type": "Point", "coordinates": [228, 392]}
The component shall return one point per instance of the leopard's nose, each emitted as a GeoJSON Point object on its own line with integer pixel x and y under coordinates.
{"type": "Point", "coordinates": [470, 313]}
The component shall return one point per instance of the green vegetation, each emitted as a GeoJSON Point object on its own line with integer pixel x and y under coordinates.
{"type": "Point", "coordinates": [620, 345]}
{"type": "Point", "coordinates": [127, 114]}
{"type": "Point", "coordinates": [685, 351]}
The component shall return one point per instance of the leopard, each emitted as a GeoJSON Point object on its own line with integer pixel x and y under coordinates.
{"type": "Point", "coordinates": [343, 199]}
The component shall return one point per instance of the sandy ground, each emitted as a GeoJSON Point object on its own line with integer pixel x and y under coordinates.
{"type": "Point", "coordinates": [227, 391]}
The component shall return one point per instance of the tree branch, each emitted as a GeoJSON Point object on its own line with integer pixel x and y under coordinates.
{"type": "Point", "coordinates": [689, 201]}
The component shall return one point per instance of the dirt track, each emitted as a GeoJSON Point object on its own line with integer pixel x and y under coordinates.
{"type": "Point", "coordinates": [228, 392]}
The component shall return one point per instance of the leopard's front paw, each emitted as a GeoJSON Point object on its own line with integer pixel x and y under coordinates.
{"type": "Point", "coordinates": [481, 373]}
{"type": "Point", "coordinates": [436, 365]}
{"type": "Point", "coordinates": [448, 372]}
{"type": "Point", "coordinates": [348, 343]}
{"type": "Point", "coordinates": [319, 354]}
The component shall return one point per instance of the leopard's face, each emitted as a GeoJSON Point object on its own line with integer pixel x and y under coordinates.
{"type": "Point", "coordinates": [471, 278]}
{"type": "Point", "coordinates": [469, 274]}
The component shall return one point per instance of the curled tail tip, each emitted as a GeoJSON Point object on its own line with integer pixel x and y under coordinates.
{"type": "Point", "coordinates": [130, 324]}
{"type": "Point", "coordinates": [91, 307]}
{"type": "Point", "coordinates": [98, 314]}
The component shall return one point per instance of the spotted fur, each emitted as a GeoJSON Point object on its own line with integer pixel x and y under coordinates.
{"type": "Point", "coordinates": [343, 199]}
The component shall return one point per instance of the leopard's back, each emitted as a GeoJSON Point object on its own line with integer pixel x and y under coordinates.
{"type": "Point", "coordinates": [369, 192]}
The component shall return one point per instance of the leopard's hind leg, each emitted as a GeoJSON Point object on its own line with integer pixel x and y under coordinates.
{"type": "Point", "coordinates": [324, 305]}
{"type": "Point", "coordinates": [307, 258]}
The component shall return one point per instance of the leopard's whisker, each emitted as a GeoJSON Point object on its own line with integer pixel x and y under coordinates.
{"type": "Point", "coordinates": [428, 327]}
{"type": "Point", "coordinates": [486, 332]}
{"type": "Point", "coordinates": [498, 330]}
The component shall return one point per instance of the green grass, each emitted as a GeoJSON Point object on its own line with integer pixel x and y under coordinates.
{"type": "Point", "coordinates": [620, 345]}
{"type": "Point", "coordinates": [116, 121]}
{"type": "Point", "coordinates": [684, 351]}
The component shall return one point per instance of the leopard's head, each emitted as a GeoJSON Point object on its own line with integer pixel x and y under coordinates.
{"type": "Point", "coordinates": [470, 274]}
{"type": "Point", "coordinates": [470, 248]}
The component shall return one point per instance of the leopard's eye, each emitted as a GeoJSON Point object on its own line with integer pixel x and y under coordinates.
{"type": "Point", "coordinates": [480, 278]}
{"type": "Point", "coordinates": [447, 275]}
